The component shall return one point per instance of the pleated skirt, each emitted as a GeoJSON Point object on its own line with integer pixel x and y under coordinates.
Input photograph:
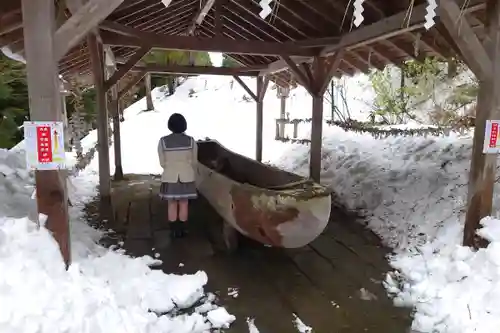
{"type": "Point", "coordinates": [178, 191]}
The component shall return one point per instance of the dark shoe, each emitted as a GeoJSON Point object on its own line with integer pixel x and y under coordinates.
{"type": "Point", "coordinates": [177, 229]}
{"type": "Point", "coordinates": [183, 230]}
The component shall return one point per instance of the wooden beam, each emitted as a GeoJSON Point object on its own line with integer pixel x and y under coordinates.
{"type": "Point", "coordinates": [74, 6]}
{"type": "Point", "coordinates": [262, 84]}
{"type": "Point", "coordinates": [472, 49]}
{"type": "Point", "coordinates": [483, 166]}
{"type": "Point", "coordinates": [125, 68]}
{"type": "Point", "coordinates": [117, 141]}
{"type": "Point", "coordinates": [263, 89]}
{"type": "Point", "coordinates": [316, 138]}
{"type": "Point", "coordinates": [200, 16]}
{"type": "Point", "coordinates": [331, 68]}
{"type": "Point", "coordinates": [197, 70]}
{"type": "Point", "coordinates": [96, 58]}
{"type": "Point", "coordinates": [45, 105]}
{"type": "Point", "coordinates": [81, 23]}
{"type": "Point", "coordinates": [299, 75]}
{"type": "Point", "coordinates": [386, 28]}
{"type": "Point", "coordinates": [149, 98]}
{"type": "Point", "coordinates": [138, 77]}
{"type": "Point", "coordinates": [247, 89]}
{"type": "Point", "coordinates": [9, 23]}
{"type": "Point", "coordinates": [127, 36]}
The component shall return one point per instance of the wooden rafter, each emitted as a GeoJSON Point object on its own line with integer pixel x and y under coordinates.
{"type": "Point", "coordinates": [119, 35]}
{"type": "Point", "coordinates": [9, 23]}
{"type": "Point", "coordinates": [296, 21]}
{"type": "Point", "coordinates": [124, 69]}
{"type": "Point", "coordinates": [197, 70]}
{"type": "Point", "coordinates": [133, 81]}
{"type": "Point", "coordinates": [383, 29]}
{"type": "Point", "coordinates": [459, 28]}
{"type": "Point", "coordinates": [74, 6]}
{"type": "Point", "coordinates": [81, 23]}
{"type": "Point", "coordinates": [200, 16]}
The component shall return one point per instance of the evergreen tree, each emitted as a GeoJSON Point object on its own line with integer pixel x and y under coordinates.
{"type": "Point", "coordinates": [14, 103]}
{"type": "Point", "coordinates": [229, 62]}
{"type": "Point", "coordinates": [163, 57]}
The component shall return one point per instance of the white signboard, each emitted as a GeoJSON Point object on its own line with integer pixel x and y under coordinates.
{"type": "Point", "coordinates": [491, 143]}
{"type": "Point", "coordinates": [44, 145]}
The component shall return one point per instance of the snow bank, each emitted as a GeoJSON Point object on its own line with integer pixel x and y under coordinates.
{"type": "Point", "coordinates": [103, 290]}
{"type": "Point", "coordinates": [412, 189]}
{"type": "Point", "coordinates": [413, 192]}
{"type": "Point", "coordinates": [453, 289]}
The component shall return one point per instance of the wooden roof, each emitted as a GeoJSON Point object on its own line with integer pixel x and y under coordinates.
{"type": "Point", "coordinates": [305, 27]}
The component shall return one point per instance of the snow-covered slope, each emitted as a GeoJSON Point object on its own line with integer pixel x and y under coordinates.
{"type": "Point", "coordinates": [413, 191]}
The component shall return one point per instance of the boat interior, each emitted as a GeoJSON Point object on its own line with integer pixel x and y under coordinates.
{"type": "Point", "coordinates": [243, 169]}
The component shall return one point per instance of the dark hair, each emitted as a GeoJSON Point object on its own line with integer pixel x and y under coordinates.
{"type": "Point", "coordinates": [177, 123]}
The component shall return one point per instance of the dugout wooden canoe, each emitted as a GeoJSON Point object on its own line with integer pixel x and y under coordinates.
{"type": "Point", "coordinates": [269, 205]}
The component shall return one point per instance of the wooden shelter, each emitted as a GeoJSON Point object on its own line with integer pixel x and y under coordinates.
{"type": "Point", "coordinates": [306, 42]}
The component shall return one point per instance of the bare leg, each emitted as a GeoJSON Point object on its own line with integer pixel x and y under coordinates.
{"type": "Point", "coordinates": [183, 210]}
{"type": "Point", "coordinates": [172, 210]}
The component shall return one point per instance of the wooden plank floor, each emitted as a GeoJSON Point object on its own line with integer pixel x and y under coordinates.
{"type": "Point", "coordinates": [333, 285]}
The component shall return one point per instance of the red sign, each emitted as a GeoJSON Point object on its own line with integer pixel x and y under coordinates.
{"type": "Point", "coordinates": [44, 144]}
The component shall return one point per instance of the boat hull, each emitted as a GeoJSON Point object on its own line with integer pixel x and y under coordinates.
{"type": "Point", "coordinates": [280, 218]}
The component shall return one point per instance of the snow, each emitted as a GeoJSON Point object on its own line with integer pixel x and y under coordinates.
{"type": "Point", "coordinates": [299, 324]}
{"type": "Point", "coordinates": [412, 191]}
{"type": "Point", "coordinates": [251, 326]}
{"type": "Point", "coordinates": [220, 318]}
{"type": "Point", "coordinates": [14, 56]}
{"type": "Point", "coordinates": [103, 290]}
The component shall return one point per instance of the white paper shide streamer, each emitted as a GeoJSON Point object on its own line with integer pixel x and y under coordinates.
{"type": "Point", "coordinates": [358, 12]}
{"type": "Point", "coordinates": [266, 8]}
{"type": "Point", "coordinates": [431, 14]}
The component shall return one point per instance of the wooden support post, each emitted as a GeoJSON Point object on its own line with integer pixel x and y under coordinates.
{"type": "Point", "coordinates": [45, 105]}
{"type": "Point", "coordinates": [259, 123]}
{"type": "Point", "coordinates": [282, 116]}
{"type": "Point", "coordinates": [262, 84]}
{"type": "Point", "coordinates": [316, 137]}
{"type": "Point", "coordinates": [322, 72]}
{"type": "Point", "coordinates": [283, 95]}
{"type": "Point", "coordinates": [483, 167]}
{"type": "Point", "coordinates": [67, 145]}
{"type": "Point", "coordinates": [149, 99]}
{"type": "Point", "coordinates": [116, 134]}
{"type": "Point", "coordinates": [295, 130]}
{"type": "Point", "coordinates": [96, 57]}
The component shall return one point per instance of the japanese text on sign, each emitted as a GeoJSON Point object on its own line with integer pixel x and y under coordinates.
{"type": "Point", "coordinates": [44, 145]}
{"type": "Point", "coordinates": [491, 144]}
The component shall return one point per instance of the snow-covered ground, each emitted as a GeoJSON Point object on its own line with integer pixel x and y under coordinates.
{"type": "Point", "coordinates": [103, 290]}
{"type": "Point", "coordinates": [412, 191]}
